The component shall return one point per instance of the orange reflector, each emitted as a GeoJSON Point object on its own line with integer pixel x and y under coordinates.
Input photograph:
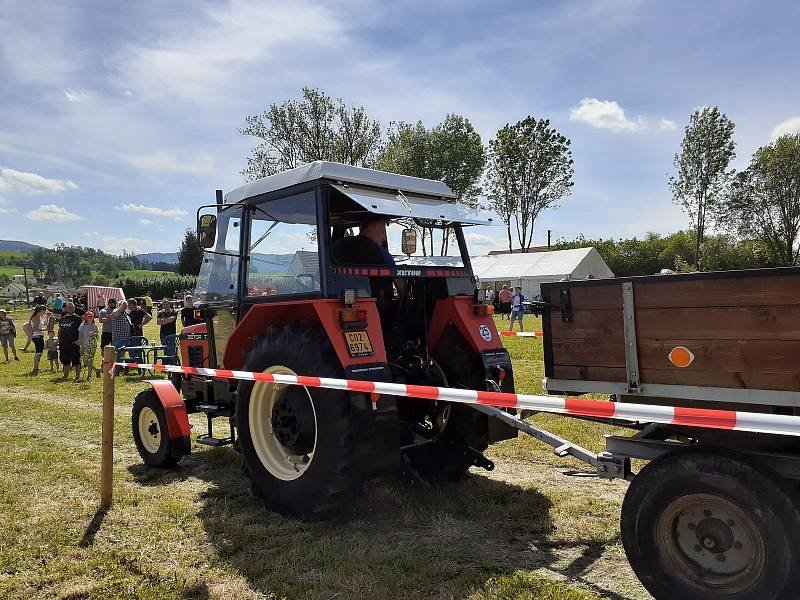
{"type": "Point", "coordinates": [681, 356]}
{"type": "Point", "coordinates": [483, 310]}
{"type": "Point", "coordinates": [352, 315]}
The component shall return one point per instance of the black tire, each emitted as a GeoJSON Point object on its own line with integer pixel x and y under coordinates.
{"type": "Point", "coordinates": [156, 447]}
{"type": "Point", "coordinates": [328, 479]}
{"type": "Point", "coordinates": [704, 524]}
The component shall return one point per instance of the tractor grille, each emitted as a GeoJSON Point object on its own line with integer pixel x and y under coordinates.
{"type": "Point", "coordinates": [195, 356]}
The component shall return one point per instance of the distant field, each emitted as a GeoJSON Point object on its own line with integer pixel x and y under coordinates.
{"type": "Point", "coordinates": [143, 273]}
{"type": "Point", "coordinates": [10, 270]}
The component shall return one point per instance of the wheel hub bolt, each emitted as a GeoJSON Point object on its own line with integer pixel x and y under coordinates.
{"type": "Point", "coordinates": [721, 557]}
{"type": "Point", "coordinates": [708, 542]}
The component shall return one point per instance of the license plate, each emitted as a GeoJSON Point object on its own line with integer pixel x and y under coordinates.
{"type": "Point", "coordinates": [358, 343]}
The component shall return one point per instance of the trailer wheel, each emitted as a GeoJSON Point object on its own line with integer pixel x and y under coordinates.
{"type": "Point", "coordinates": [297, 442]}
{"type": "Point", "coordinates": [150, 431]}
{"type": "Point", "coordinates": [706, 524]}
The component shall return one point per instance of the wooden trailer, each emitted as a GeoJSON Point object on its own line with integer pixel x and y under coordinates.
{"type": "Point", "coordinates": [714, 513]}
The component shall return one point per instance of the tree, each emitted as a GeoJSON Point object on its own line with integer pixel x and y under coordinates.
{"type": "Point", "coordinates": [530, 170]}
{"type": "Point", "coordinates": [702, 169]}
{"type": "Point", "coordinates": [190, 255]}
{"type": "Point", "coordinates": [451, 152]}
{"type": "Point", "coordinates": [315, 128]}
{"type": "Point", "coordinates": [5, 280]}
{"type": "Point", "coordinates": [764, 200]}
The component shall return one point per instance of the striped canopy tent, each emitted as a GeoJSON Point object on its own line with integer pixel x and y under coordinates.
{"type": "Point", "coordinates": [93, 293]}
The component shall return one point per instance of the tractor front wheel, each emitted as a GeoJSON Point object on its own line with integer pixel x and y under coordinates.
{"type": "Point", "coordinates": [297, 442]}
{"type": "Point", "coordinates": [150, 432]}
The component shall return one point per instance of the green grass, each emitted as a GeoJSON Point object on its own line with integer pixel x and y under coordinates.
{"type": "Point", "coordinates": [524, 531]}
{"type": "Point", "coordinates": [10, 270]}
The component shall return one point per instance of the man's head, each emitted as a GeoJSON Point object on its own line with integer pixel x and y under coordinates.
{"type": "Point", "coordinates": [375, 230]}
{"type": "Point", "coordinates": [518, 289]}
{"type": "Point", "coordinates": [188, 301]}
{"type": "Point", "coordinates": [2, 313]}
{"type": "Point", "coordinates": [112, 303]}
{"type": "Point", "coordinates": [69, 307]}
{"type": "Point", "coordinates": [132, 304]}
{"type": "Point", "coordinates": [165, 304]}
{"type": "Point", "coordinates": [58, 295]}
{"type": "Point", "coordinates": [505, 287]}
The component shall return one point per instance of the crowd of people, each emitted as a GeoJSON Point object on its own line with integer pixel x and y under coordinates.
{"type": "Point", "coordinates": [508, 303]}
{"type": "Point", "coordinates": [69, 331]}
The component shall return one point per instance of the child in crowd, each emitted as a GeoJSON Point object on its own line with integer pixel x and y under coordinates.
{"type": "Point", "coordinates": [7, 334]}
{"type": "Point", "coordinates": [87, 336]}
{"type": "Point", "coordinates": [52, 349]}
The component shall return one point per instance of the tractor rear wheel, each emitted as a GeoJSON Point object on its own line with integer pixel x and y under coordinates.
{"type": "Point", "coordinates": [150, 431]}
{"type": "Point", "coordinates": [704, 524]}
{"type": "Point", "coordinates": [297, 442]}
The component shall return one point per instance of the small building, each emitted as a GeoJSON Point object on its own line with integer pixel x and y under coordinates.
{"type": "Point", "coordinates": [529, 270]}
{"type": "Point", "coordinates": [304, 262]}
{"type": "Point", "coordinates": [13, 290]}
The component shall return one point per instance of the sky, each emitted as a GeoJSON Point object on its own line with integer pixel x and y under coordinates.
{"type": "Point", "coordinates": [117, 120]}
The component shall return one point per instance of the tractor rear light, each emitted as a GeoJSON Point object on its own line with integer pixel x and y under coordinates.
{"type": "Point", "coordinates": [349, 297]}
{"type": "Point", "coordinates": [501, 374]}
{"type": "Point", "coordinates": [483, 310]}
{"type": "Point", "coordinates": [353, 317]}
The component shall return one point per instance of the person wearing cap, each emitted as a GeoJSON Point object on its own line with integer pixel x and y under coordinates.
{"type": "Point", "coordinates": [87, 337]}
{"type": "Point", "coordinates": [8, 332]}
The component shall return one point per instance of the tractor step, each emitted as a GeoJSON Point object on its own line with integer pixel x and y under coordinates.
{"type": "Point", "coordinates": [213, 408]}
{"type": "Point", "coordinates": [207, 440]}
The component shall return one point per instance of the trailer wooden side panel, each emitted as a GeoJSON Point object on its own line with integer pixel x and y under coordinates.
{"type": "Point", "coordinates": [743, 328]}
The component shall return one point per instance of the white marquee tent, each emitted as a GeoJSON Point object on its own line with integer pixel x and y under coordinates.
{"type": "Point", "coordinates": [530, 269]}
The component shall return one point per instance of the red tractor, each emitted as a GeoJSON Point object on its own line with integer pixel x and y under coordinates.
{"type": "Point", "coordinates": [319, 271]}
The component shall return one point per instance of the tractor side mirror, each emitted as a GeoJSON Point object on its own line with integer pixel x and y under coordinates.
{"type": "Point", "coordinates": [409, 242]}
{"type": "Point", "coordinates": [207, 230]}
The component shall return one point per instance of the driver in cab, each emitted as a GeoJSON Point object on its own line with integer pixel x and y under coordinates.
{"type": "Point", "coordinates": [369, 247]}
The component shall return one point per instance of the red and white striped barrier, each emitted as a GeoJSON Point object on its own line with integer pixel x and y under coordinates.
{"type": "Point", "coordinates": [641, 413]}
{"type": "Point", "coordinates": [523, 333]}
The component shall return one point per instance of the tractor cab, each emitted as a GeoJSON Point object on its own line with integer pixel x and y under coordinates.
{"type": "Point", "coordinates": [329, 270]}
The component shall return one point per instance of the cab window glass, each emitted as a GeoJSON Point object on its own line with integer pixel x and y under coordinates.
{"type": "Point", "coordinates": [283, 247]}
{"type": "Point", "coordinates": [219, 271]}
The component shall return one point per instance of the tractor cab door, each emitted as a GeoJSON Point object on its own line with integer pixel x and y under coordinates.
{"type": "Point", "coordinates": [217, 288]}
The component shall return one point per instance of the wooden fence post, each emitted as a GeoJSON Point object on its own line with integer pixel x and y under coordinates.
{"type": "Point", "coordinates": [107, 456]}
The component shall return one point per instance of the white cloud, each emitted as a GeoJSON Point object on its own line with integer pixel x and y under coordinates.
{"type": "Point", "coordinates": [667, 125]}
{"type": "Point", "coordinates": [183, 63]}
{"type": "Point", "coordinates": [604, 114]}
{"type": "Point", "coordinates": [31, 184]}
{"type": "Point", "coordinates": [788, 126]}
{"type": "Point", "coordinates": [75, 95]}
{"type": "Point", "coordinates": [5, 208]}
{"type": "Point", "coordinates": [479, 243]}
{"type": "Point", "coordinates": [117, 245]}
{"type": "Point", "coordinates": [164, 162]}
{"type": "Point", "coordinates": [145, 222]}
{"type": "Point", "coordinates": [51, 212]}
{"type": "Point", "coordinates": [155, 211]}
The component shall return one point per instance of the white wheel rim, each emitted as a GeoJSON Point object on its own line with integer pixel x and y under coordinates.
{"type": "Point", "coordinates": [149, 430]}
{"type": "Point", "coordinates": [276, 458]}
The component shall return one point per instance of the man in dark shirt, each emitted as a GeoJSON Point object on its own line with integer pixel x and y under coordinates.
{"type": "Point", "coordinates": [139, 317]}
{"type": "Point", "coordinates": [187, 312]}
{"type": "Point", "coordinates": [369, 247]}
{"type": "Point", "coordinates": [40, 300]}
{"type": "Point", "coordinates": [69, 348]}
{"type": "Point", "coordinates": [167, 318]}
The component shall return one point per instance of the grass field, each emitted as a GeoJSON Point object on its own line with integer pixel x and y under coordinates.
{"type": "Point", "coordinates": [143, 273]}
{"type": "Point", "coordinates": [533, 528]}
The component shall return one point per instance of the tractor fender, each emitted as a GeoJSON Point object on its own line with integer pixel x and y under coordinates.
{"type": "Point", "coordinates": [324, 311]}
{"type": "Point", "coordinates": [479, 331]}
{"type": "Point", "coordinates": [176, 415]}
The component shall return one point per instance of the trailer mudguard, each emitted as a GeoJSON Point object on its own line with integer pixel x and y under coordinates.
{"type": "Point", "coordinates": [176, 415]}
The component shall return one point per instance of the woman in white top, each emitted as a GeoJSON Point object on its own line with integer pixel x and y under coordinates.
{"type": "Point", "coordinates": [38, 323]}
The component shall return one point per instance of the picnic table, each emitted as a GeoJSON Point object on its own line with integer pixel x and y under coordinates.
{"type": "Point", "coordinates": [150, 353]}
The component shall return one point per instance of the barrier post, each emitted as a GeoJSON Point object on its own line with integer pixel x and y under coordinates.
{"type": "Point", "coordinates": [107, 448]}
